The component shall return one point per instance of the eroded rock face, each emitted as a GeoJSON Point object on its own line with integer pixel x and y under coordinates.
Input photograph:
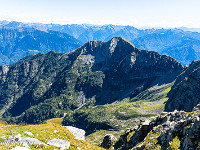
{"type": "Point", "coordinates": [108, 141]}
{"type": "Point", "coordinates": [167, 126]}
{"type": "Point", "coordinates": [184, 95]}
{"type": "Point", "coordinates": [4, 69]}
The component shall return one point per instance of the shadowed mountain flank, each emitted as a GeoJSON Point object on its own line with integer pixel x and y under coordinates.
{"type": "Point", "coordinates": [185, 92]}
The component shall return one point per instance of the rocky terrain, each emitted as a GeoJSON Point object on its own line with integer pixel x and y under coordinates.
{"type": "Point", "coordinates": [185, 92]}
{"type": "Point", "coordinates": [170, 130]}
{"type": "Point", "coordinates": [49, 85]}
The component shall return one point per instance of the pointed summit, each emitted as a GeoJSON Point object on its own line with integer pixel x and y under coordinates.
{"type": "Point", "coordinates": [121, 46]}
{"type": "Point", "coordinates": [121, 39]}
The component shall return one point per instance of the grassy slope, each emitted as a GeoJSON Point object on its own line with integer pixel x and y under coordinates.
{"type": "Point", "coordinates": [42, 132]}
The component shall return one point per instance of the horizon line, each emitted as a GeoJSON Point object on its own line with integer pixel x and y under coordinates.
{"type": "Point", "coordinates": [100, 24]}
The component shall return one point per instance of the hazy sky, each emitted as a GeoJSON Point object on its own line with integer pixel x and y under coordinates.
{"type": "Point", "coordinates": [138, 13]}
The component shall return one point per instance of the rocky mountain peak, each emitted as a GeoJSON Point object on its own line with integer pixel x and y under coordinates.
{"type": "Point", "coordinates": [121, 62]}
{"type": "Point", "coordinates": [110, 46]}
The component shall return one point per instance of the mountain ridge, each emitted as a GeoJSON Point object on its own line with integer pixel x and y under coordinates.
{"type": "Point", "coordinates": [96, 73]}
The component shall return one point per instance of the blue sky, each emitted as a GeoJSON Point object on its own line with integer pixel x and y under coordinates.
{"type": "Point", "coordinates": [138, 13]}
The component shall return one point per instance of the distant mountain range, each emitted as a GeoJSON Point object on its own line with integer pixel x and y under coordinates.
{"type": "Point", "coordinates": [190, 29]}
{"type": "Point", "coordinates": [182, 45]}
{"type": "Point", "coordinates": [17, 43]}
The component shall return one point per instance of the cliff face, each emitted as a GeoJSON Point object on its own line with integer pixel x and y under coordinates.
{"type": "Point", "coordinates": [185, 92]}
{"type": "Point", "coordinates": [43, 86]}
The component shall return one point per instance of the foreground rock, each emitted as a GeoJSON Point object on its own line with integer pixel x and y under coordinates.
{"type": "Point", "coordinates": [24, 140]}
{"type": "Point", "coordinates": [20, 148]}
{"type": "Point", "coordinates": [31, 141]}
{"type": "Point", "coordinates": [78, 133]}
{"type": "Point", "coordinates": [176, 129]}
{"type": "Point", "coordinates": [59, 143]}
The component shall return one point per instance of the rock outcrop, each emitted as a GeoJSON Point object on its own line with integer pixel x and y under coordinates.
{"type": "Point", "coordinates": [174, 128]}
{"type": "Point", "coordinates": [28, 140]}
{"type": "Point", "coordinates": [185, 94]}
{"type": "Point", "coordinates": [64, 144]}
{"type": "Point", "coordinates": [79, 134]}
{"type": "Point", "coordinates": [108, 141]}
{"type": "Point", "coordinates": [24, 140]}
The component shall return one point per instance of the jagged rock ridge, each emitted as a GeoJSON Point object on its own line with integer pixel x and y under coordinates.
{"type": "Point", "coordinates": [173, 130]}
{"type": "Point", "coordinates": [185, 92]}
